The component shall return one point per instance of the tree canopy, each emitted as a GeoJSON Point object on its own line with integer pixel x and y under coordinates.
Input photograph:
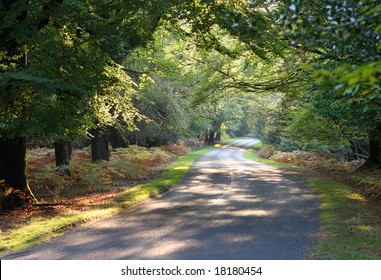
{"type": "Point", "coordinates": [299, 74]}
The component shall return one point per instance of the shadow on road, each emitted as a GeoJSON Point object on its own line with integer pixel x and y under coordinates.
{"type": "Point", "coordinates": [226, 208]}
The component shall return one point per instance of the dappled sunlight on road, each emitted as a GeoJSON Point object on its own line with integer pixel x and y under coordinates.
{"type": "Point", "coordinates": [173, 246]}
{"type": "Point", "coordinates": [252, 212]}
{"type": "Point", "coordinates": [226, 208]}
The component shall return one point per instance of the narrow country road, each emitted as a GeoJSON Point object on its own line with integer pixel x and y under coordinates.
{"type": "Point", "coordinates": [226, 208]}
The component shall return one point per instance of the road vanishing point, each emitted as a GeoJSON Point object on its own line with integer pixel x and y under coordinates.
{"type": "Point", "coordinates": [227, 207]}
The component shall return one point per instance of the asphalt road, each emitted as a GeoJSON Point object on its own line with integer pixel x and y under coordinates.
{"type": "Point", "coordinates": [226, 208]}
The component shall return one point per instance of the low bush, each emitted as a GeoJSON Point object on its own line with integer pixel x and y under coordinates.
{"type": "Point", "coordinates": [176, 149]}
{"type": "Point", "coordinates": [312, 160]}
{"type": "Point", "coordinates": [267, 151]}
{"type": "Point", "coordinates": [86, 177]}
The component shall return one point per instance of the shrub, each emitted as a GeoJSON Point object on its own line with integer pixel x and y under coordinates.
{"type": "Point", "coordinates": [267, 151]}
{"type": "Point", "coordinates": [316, 160]}
{"type": "Point", "coordinates": [125, 164]}
{"type": "Point", "coordinates": [176, 149]}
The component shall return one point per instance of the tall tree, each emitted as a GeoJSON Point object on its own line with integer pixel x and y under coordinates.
{"type": "Point", "coordinates": [344, 37]}
{"type": "Point", "coordinates": [56, 62]}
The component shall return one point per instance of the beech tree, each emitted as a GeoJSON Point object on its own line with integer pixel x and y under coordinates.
{"type": "Point", "coordinates": [58, 63]}
{"type": "Point", "coordinates": [62, 74]}
{"type": "Point", "coordinates": [56, 56]}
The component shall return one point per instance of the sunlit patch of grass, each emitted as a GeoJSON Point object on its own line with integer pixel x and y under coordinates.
{"type": "Point", "coordinates": [351, 225]}
{"type": "Point", "coordinates": [231, 140]}
{"type": "Point", "coordinates": [45, 228]}
{"type": "Point", "coordinates": [257, 146]}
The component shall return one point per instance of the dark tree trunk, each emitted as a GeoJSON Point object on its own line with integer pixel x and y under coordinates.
{"type": "Point", "coordinates": [374, 159]}
{"type": "Point", "coordinates": [63, 151]}
{"type": "Point", "coordinates": [13, 163]}
{"type": "Point", "coordinates": [13, 177]}
{"type": "Point", "coordinates": [218, 136]}
{"type": "Point", "coordinates": [117, 139]}
{"type": "Point", "coordinates": [99, 145]}
{"type": "Point", "coordinates": [206, 137]}
{"type": "Point", "coordinates": [211, 137]}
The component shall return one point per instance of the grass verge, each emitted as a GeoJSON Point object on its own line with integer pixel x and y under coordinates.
{"type": "Point", "coordinates": [350, 226]}
{"type": "Point", "coordinates": [44, 228]}
{"type": "Point", "coordinates": [231, 140]}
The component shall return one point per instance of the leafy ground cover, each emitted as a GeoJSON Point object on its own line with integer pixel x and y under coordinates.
{"type": "Point", "coordinates": [365, 182]}
{"type": "Point", "coordinates": [93, 191]}
{"type": "Point", "coordinates": [350, 209]}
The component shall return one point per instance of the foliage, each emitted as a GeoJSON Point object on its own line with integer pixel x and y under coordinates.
{"type": "Point", "coordinates": [86, 177]}
{"type": "Point", "coordinates": [63, 70]}
{"type": "Point", "coordinates": [308, 128]}
{"type": "Point", "coordinates": [176, 149]}
{"type": "Point", "coordinates": [319, 161]}
{"type": "Point", "coordinates": [368, 185]}
{"type": "Point", "coordinates": [343, 61]}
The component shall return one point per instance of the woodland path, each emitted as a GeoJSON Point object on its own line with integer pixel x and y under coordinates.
{"type": "Point", "coordinates": [226, 208]}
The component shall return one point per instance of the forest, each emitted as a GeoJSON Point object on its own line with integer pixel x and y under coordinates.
{"type": "Point", "coordinates": [112, 74]}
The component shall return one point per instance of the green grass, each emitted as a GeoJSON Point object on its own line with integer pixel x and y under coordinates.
{"type": "Point", "coordinates": [231, 140]}
{"type": "Point", "coordinates": [44, 228]}
{"type": "Point", "coordinates": [350, 226]}
{"type": "Point", "coordinates": [257, 146]}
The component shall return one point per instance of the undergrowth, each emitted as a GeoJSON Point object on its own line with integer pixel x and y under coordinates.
{"type": "Point", "coordinates": [87, 177]}
{"type": "Point", "coordinates": [368, 183]}
{"type": "Point", "coordinates": [320, 160]}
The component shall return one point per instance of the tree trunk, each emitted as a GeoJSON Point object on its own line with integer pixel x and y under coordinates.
{"type": "Point", "coordinates": [117, 139]}
{"type": "Point", "coordinates": [206, 137]}
{"type": "Point", "coordinates": [218, 137]}
{"type": "Point", "coordinates": [211, 137]}
{"type": "Point", "coordinates": [99, 145]}
{"type": "Point", "coordinates": [63, 151]}
{"type": "Point", "coordinates": [13, 177]}
{"type": "Point", "coordinates": [374, 159]}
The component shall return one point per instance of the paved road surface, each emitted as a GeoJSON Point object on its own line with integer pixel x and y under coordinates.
{"type": "Point", "coordinates": [226, 208]}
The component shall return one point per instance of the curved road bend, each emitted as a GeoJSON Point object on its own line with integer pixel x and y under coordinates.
{"type": "Point", "coordinates": [226, 208]}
